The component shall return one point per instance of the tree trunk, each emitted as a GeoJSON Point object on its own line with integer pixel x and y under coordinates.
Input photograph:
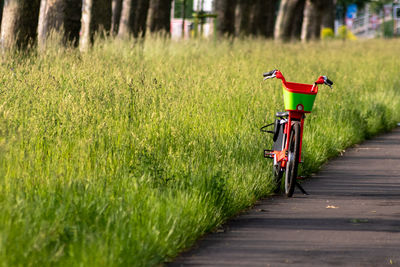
{"type": "Point", "coordinates": [59, 15]}
{"type": "Point", "coordinates": [159, 17]}
{"type": "Point", "coordinates": [140, 18]}
{"type": "Point", "coordinates": [116, 10]}
{"type": "Point", "coordinates": [328, 14]}
{"type": "Point", "coordinates": [42, 25]}
{"type": "Point", "coordinates": [72, 21]}
{"type": "Point", "coordinates": [225, 10]}
{"type": "Point", "coordinates": [51, 18]}
{"type": "Point", "coordinates": [262, 18]}
{"type": "Point", "coordinates": [265, 18]}
{"type": "Point", "coordinates": [242, 17]}
{"type": "Point", "coordinates": [311, 28]}
{"type": "Point", "coordinates": [284, 21]}
{"type": "Point", "coordinates": [84, 40]}
{"type": "Point", "coordinates": [101, 19]}
{"type": "Point", "coordinates": [297, 21]}
{"type": "Point", "coordinates": [125, 21]}
{"type": "Point", "coordinates": [133, 18]}
{"type": "Point", "coordinates": [1, 10]}
{"type": "Point", "coordinates": [19, 22]}
{"type": "Point", "coordinates": [96, 17]}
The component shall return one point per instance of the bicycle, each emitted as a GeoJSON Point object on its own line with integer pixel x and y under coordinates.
{"type": "Point", "coordinates": [288, 129]}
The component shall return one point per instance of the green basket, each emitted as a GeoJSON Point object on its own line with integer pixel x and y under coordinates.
{"type": "Point", "coordinates": [298, 97]}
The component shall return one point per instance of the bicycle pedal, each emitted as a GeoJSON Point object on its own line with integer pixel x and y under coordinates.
{"type": "Point", "coordinates": [268, 153]}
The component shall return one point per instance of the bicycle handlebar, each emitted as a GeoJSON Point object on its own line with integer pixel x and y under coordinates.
{"type": "Point", "coordinates": [276, 73]}
{"type": "Point", "coordinates": [269, 75]}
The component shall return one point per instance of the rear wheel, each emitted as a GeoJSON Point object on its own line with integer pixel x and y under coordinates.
{"type": "Point", "coordinates": [278, 173]}
{"type": "Point", "coordinates": [293, 159]}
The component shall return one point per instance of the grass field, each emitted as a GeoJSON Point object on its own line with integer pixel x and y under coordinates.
{"type": "Point", "coordinates": [127, 154]}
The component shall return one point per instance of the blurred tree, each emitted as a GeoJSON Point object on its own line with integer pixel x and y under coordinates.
{"type": "Point", "coordinates": [159, 16]}
{"type": "Point", "coordinates": [116, 9]}
{"type": "Point", "coordinates": [265, 18]}
{"type": "Point", "coordinates": [96, 17]}
{"type": "Point", "coordinates": [288, 9]}
{"type": "Point", "coordinates": [133, 18]}
{"type": "Point", "coordinates": [297, 20]}
{"type": "Point", "coordinates": [225, 10]}
{"type": "Point", "coordinates": [377, 5]}
{"type": "Point", "coordinates": [311, 28]}
{"type": "Point", "coordinates": [140, 18]}
{"type": "Point", "coordinates": [243, 14]}
{"type": "Point", "coordinates": [19, 22]}
{"type": "Point", "coordinates": [57, 15]}
{"type": "Point", "coordinates": [187, 5]}
{"type": "Point", "coordinates": [260, 18]}
{"type": "Point", "coordinates": [1, 10]}
{"type": "Point", "coordinates": [328, 14]}
{"type": "Point", "coordinates": [84, 40]}
{"type": "Point", "coordinates": [101, 20]}
{"type": "Point", "coordinates": [124, 24]}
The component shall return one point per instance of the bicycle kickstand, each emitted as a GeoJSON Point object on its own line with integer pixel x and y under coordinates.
{"type": "Point", "coordinates": [301, 189]}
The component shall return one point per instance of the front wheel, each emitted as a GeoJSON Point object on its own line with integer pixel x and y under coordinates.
{"type": "Point", "coordinates": [293, 159]}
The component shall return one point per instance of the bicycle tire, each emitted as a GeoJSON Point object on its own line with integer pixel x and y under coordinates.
{"type": "Point", "coordinates": [293, 159]}
{"type": "Point", "coordinates": [278, 174]}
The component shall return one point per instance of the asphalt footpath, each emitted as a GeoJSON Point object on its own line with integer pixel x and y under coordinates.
{"type": "Point", "coordinates": [350, 218]}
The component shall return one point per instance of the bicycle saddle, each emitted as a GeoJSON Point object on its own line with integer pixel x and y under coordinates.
{"type": "Point", "coordinates": [282, 114]}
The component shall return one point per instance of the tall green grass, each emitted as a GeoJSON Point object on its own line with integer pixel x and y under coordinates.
{"type": "Point", "coordinates": [127, 154]}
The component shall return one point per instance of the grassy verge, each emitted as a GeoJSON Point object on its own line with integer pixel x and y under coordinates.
{"type": "Point", "coordinates": [127, 154]}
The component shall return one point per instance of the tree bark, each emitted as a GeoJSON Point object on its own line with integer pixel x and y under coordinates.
{"type": "Point", "coordinates": [297, 21]}
{"type": "Point", "coordinates": [42, 24]}
{"type": "Point", "coordinates": [284, 21]}
{"type": "Point", "coordinates": [266, 17]}
{"type": "Point", "coordinates": [61, 16]}
{"type": "Point", "coordinates": [116, 10]}
{"type": "Point", "coordinates": [311, 28]}
{"type": "Point", "coordinates": [72, 21]}
{"type": "Point", "coordinates": [140, 18]}
{"type": "Point", "coordinates": [19, 22]}
{"type": "Point", "coordinates": [225, 10]}
{"type": "Point", "coordinates": [96, 17]}
{"type": "Point", "coordinates": [243, 12]}
{"type": "Point", "coordinates": [328, 14]}
{"type": "Point", "coordinates": [159, 16]}
{"type": "Point", "coordinates": [1, 11]}
{"type": "Point", "coordinates": [51, 18]}
{"type": "Point", "coordinates": [125, 21]}
{"type": "Point", "coordinates": [84, 40]}
{"type": "Point", "coordinates": [101, 19]}
{"type": "Point", "coordinates": [133, 18]}
{"type": "Point", "coordinates": [262, 18]}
